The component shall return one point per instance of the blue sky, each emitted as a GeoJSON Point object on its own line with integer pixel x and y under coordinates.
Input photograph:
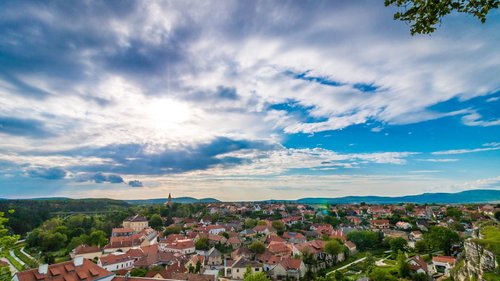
{"type": "Point", "coordinates": [243, 100]}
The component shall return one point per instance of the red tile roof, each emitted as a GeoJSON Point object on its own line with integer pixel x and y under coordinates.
{"type": "Point", "coordinates": [66, 271]}
{"type": "Point", "coordinates": [444, 259]}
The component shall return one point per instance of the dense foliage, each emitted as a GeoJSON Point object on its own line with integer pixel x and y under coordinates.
{"type": "Point", "coordinates": [29, 214]}
{"type": "Point", "coordinates": [424, 15]}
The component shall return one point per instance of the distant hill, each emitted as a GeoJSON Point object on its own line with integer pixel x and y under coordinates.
{"type": "Point", "coordinates": [469, 196]}
{"type": "Point", "coordinates": [182, 200]}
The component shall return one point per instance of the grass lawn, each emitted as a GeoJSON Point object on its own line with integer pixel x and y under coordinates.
{"type": "Point", "coordinates": [13, 261]}
{"type": "Point", "coordinates": [27, 260]}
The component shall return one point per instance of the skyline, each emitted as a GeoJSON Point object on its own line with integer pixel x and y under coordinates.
{"type": "Point", "coordinates": [253, 100]}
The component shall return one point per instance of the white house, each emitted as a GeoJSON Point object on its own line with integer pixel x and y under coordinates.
{"type": "Point", "coordinates": [116, 261]}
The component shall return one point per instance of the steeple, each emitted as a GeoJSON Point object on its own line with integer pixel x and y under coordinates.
{"type": "Point", "coordinates": [169, 200]}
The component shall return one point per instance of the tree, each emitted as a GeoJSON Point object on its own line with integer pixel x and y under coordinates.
{"type": "Point", "coordinates": [198, 267]}
{"type": "Point", "coordinates": [172, 229]}
{"type": "Point", "coordinates": [5, 273]}
{"type": "Point", "coordinates": [156, 222]}
{"type": "Point", "coordinates": [421, 246]}
{"type": "Point", "coordinates": [333, 247]}
{"type": "Point", "coordinates": [419, 277]}
{"type": "Point", "coordinates": [441, 239]}
{"type": "Point", "coordinates": [250, 223]}
{"type": "Point", "coordinates": [257, 247]}
{"type": "Point", "coordinates": [98, 238]}
{"type": "Point", "coordinates": [6, 240]}
{"type": "Point", "coordinates": [381, 274]}
{"type": "Point", "coordinates": [423, 16]}
{"type": "Point", "coordinates": [364, 239]}
{"type": "Point", "coordinates": [403, 266]}
{"type": "Point", "coordinates": [202, 244]}
{"type": "Point", "coordinates": [279, 226]}
{"type": "Point", "coordinates": [257, 276]}
{"type": "Point", "coordinates": [138, 272]}
{"type": "Point", "coordinates": [497, 215]}
{"type": "Point", "coordinates": [398, 244]}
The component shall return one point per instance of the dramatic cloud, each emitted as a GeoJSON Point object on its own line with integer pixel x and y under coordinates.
{"type": "Point", "coordinates": [157, 90]}
{"type": "Point", "coordinates": [46, 173]}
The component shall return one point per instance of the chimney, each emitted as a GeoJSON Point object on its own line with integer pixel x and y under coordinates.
{"type": "Point", "coordinates": [78, 261]}
{"type": "Point", "coordinates": [43, 269]}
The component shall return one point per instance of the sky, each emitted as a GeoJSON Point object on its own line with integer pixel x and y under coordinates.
{"type": "Point", "coordinates": [243, 100]}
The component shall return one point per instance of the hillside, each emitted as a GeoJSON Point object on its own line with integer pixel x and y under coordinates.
{"type": "Point", "coordinates": [469, 196]}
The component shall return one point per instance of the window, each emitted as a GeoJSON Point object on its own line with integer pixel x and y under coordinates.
{"type": "Point", "coordinates": [237, 270]}
{"type": "Point", "coordinates": [256, 269]}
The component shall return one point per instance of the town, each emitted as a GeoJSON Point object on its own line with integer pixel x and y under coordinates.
{"type": "Point", "coordinates": [264, 241]}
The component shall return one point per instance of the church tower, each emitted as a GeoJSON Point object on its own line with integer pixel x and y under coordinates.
{"type": "Point", "coordinates": [169, 201]}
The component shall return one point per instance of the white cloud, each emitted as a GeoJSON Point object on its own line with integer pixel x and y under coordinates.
{"type": "Point", "coordinates": [487, 147]}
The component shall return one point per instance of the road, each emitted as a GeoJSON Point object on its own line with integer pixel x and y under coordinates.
{"type": "Point", "coordinates": [347, 265]}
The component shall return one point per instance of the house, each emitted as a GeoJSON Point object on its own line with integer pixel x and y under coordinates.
{"type": "Point", "coordinates": [137, 223]}
{"type": "Point", "coordinates": [240, 266]}
{"type": "Point", "coordinates": [79, 269]}
{"type": "Point", "coordinates": [185, 246]}
{"type": "Point", "coordinates": [268, 260]}
{"type": "Point", "coordinates": [294, 237]}
{"type": "Point", "coordinates": [193, 277]}
{"type": "Point", "coordinates": [214, 229]}
{"type": "Point", "coordinates": [289, 221]}
{"type": "Point", "coordinates": [263, 229]}
{"type": "Point", "coordinates": [418, 265]}
{"type": "Point", "coordinates": [403, 225]}
{"type": "Point", "coordinates": [241, 252]}
{"type": "Point", "coordinates": [289, 268]}
{"type": "Point", "coordinates": [416, 235]}
{"type": "Point", "coordinates": [194, 260]}
{"type": "Point", "coordinates": [116, 261]}
{"type": "Point", "coordinates": [86, 252]}
{"type": "Point", "coordinates": [280, 249]}
{"type": "Point", "coordinates": [122, 232]}
{"type": "Point", "coordinates": [150, 256]}
{"type": "Point", "coordinates": [248, 233]}
{"type": "Point", "coordinates": [351, 247]}
{"type": "Point", "coordinates": [234, 242]}
{"type": "Point", "coordinates": [213, 257]}
{"type": "Point", "coordinates": [380, 224]}
{"type": "Point", "coordinates": [443, 263]}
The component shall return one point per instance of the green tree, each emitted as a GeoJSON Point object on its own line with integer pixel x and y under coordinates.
{"type": "Point", "coordinates": [333, 247]}
{"type": "Point", "coordinates": [398, 244]}
{"type": "Point", "coordinates": [441, 239]}
{"type": "Point", "coordinates": [403, 266]}
{"type": "Point", "coordinates": [421, 246]}
{"type": "Point", "coordinates": [424, 15]}
{"type": "Point", "coordinates": [98, 238]}
{"type": "Point", "coordinates": [138, 272]}
{"type": "Point", "coordinates": [172, 229]}
{"type": "Point", "coordinates": [364, 239]}
{"type": "Point", "coordinates": [250, 223]}
{"type": "Point", "coordinates": [156, 222]}
{"type": "Point", "coordinates": [5, 273]}
{"type": "Point", "coordinates": [257, 276]}
{"type": "Point", "coordinates": [381, 274]}
{"type": "Point", "coordinates": [279, 226]}
{"type": "Point", "coordinates": [257, 247]}
{"type": "Point", "coordinates": [202, 244]}
{"type": "Point", "coordinates": [419, 277]}
{"type": "Point", "coordinates": [6, 240]}
{"type": "Point", "coordinates": [197, 269]}
{"type": "Point", "coordinates": [497, 215]}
